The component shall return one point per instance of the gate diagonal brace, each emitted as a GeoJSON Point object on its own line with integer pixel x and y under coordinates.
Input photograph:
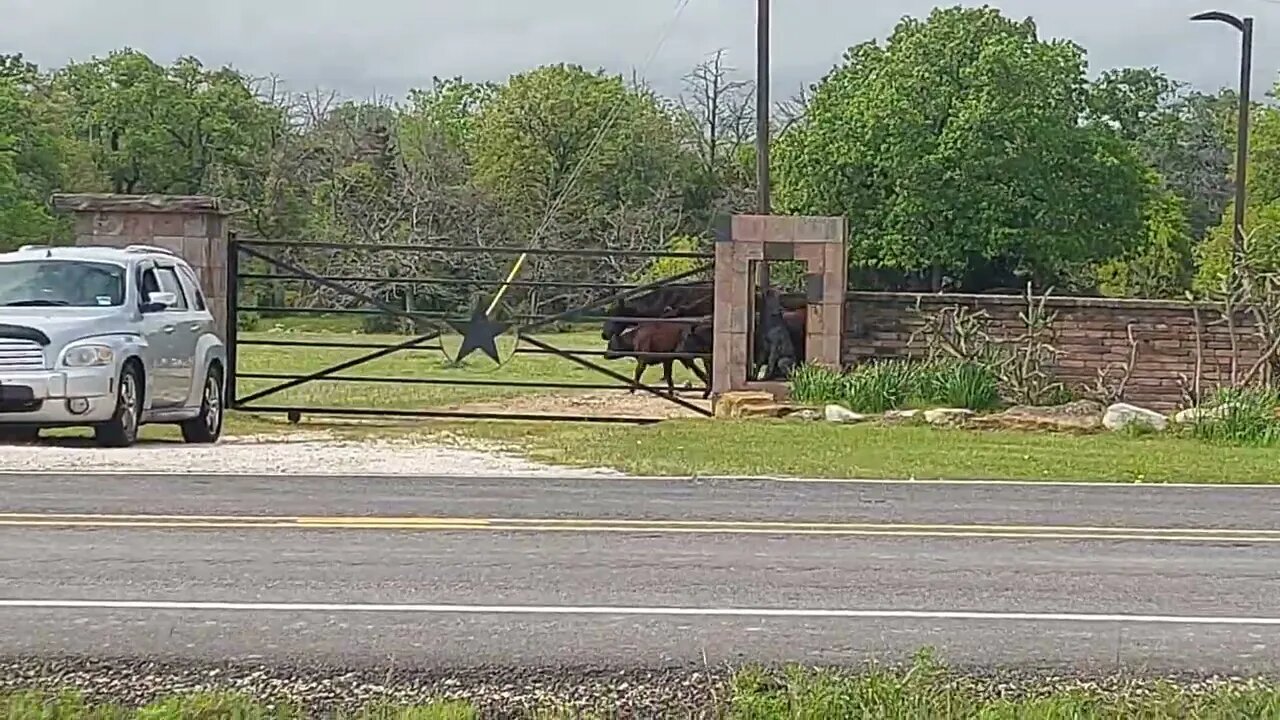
{"type": "Point", "coordinates": [323, 373]}
{"type": "Point", "coordinates": [568, 355]}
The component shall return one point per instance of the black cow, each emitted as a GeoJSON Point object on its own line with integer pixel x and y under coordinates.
{"type": "Point", "coordinates": [685, 300]}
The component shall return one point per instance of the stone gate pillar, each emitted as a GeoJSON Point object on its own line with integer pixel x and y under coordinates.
{"type": "Point", "coordinates": [192, 226]}
{"type": "Point", "coordinates": [817, 241]}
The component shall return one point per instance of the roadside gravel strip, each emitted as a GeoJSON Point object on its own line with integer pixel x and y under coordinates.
{"type": "Point", "coordinates": [310, 454]}
{"type": "Point", "coordinates": [498, 692]}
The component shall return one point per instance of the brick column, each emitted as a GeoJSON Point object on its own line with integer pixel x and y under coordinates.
{"type": "Point", "coordinates": [192, 226]}
{"type": "Point", "coordinates": [820, 243]}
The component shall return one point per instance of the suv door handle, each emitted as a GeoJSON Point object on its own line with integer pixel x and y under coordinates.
{"type": "Point", "coordinates": [195, 327]}
{"type": "Point", "coordinates": [168, 328]}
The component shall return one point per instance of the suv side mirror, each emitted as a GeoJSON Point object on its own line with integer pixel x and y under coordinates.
{"type": "Point", "coordinates": [158, 301]}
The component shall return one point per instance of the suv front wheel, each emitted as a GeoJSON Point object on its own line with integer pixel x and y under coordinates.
{"type": "Point", "coordinates": [207, 426]}
{"type": "Point", "coordinates": [122, 429]}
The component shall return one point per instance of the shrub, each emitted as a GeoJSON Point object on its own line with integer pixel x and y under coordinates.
{"type": "Point", "coordinates": [1241, 416]}
{"type": "Point", "coordinates": [248, 321]}
{"type": "Point", "coordinates": [814, 384]}
{"type": "Point", "coordinates": [959, 384]}
{"type": "Point", "coordinates": [881, 386]}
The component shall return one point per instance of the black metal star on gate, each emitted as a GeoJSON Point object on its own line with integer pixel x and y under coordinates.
{"type": "Point", "coordinates": [479, 333]}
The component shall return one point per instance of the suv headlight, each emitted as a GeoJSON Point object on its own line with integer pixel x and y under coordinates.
{"type": "Point", "coordinates": [88, 356]}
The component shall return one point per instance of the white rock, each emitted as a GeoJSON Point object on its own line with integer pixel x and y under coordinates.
{"type": "Point", "coordinates": [1197, 415]}
{"type": "Point", "coordinates": [947, 416]}
{"type": "Point", "coordinates": [902, 415]}
{"type": "Point", "coordinates": [841, 414]}
{"type": "Point", "coordinates": [1123, 415]}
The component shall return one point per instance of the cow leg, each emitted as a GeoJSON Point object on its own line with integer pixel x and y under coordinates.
{"type": "Point", "coordinates": [667, 374]}
{"type": "Point", "coordinates": [641, 366]}
{"type": "Point", "coordinates": [697, 371]}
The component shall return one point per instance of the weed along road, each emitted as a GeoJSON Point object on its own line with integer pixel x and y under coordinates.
{"type": "Point", "coordinates": [439, 571]}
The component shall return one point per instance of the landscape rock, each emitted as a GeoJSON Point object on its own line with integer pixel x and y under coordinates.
{"type": "Point", "coordinates": [947, 416]}
{"type": "Point", "coordinates": [1123, 415]}
{"type": "Point", "coordinates": [1197, 415]}
{"type": "Point", "coordinates": [805, 414]}
{"type": "Point", "coordinates": [901, 415]}
{"type": "Point", "coordinates": [730, 404]}
{"type": "Point", "coordinates": [763, 410]}
{"type": "Point", "coordinates": [1078, 415]}
{"type": "Point", "coordinates": [841, 414]}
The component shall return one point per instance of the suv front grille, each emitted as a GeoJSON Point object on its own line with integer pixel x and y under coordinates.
{"type": "Point", "coordinates": [21, 355]}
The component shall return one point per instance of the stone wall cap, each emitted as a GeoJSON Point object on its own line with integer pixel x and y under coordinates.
{"type": "Point", "coordinates": [1053, 301]}
{"type": "Point", "coordinates": [110, 202]}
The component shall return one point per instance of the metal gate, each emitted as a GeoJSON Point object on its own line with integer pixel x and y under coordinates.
{"type": "Point", "coordinates": [271, 279]}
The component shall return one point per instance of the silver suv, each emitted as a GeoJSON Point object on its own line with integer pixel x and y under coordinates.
{"type": "Point", "coordinates": [107, 338]}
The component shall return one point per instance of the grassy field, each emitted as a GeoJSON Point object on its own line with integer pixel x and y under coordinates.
{"type": "Point", "coordinates": [520, 363]}
{"type": "Point", "coordinates": [760, 695]}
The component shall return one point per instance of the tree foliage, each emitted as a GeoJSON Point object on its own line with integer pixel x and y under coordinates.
{"type": "Point", "coordinates": [956, 149]}
{"type": "Point", "coordinates": [967, 152]}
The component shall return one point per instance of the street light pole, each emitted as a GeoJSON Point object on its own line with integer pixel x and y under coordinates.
{"type": "Point", "coordinates": [1245, 27]}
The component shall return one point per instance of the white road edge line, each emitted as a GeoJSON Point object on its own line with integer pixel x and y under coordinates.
{"type": "Point", "coordinates": [796, 613]}
{"type": "Point", "coordinates": [612, 477]}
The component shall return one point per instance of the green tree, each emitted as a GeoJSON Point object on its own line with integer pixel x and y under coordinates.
{"type": "Point", "coordinates": [956, 149]}
{"type": "Point", "coordinates": [168, 130]}
{"type": "Point", "coordinates": [1131, 100]}
{"type": "Point", "coordinates": [1262, 209]}
{"type": "Point", "coordinates": [583, 143]}
{"type": "Point", "coordinates": [35, 159]}
{"type": "Point", "coordinates": [445, 114]}
{"type": "Point", "coordinates": [1161, 266]}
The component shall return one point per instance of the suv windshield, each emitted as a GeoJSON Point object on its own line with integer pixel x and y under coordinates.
{"type": "Point", "coordinates": [61, 283]}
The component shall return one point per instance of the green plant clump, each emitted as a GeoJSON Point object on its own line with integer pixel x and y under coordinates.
{"type": "Point", "coordinates": [1241, 416]}
{"type": "Point", "coordinates": [880, 386]}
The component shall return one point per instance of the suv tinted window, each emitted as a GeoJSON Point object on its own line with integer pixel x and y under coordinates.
{"type": "Point", "coordinates": [61, 283]}
{"type": "Point", "coordinates": [190, 277]}
{"type": "Point", "coordinates": [169, 283]}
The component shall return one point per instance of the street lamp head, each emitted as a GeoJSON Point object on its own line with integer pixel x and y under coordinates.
{"type": "Point", "coordinates": [1219, 16]}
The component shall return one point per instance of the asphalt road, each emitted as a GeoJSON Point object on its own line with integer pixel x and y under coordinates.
{"type": "Point", "coordinates": [440, 572]}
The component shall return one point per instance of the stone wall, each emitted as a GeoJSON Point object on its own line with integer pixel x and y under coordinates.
{"type": "Point", "coordinates": [193, 227]}
{"type": "Point", "coordinates": [1092, 335]}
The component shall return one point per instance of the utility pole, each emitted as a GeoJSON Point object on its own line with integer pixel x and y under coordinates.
{"type": "Point", "coordinates": [764, 204]}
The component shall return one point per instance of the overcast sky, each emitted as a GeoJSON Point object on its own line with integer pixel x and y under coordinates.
{"type": "Point", "coordinates": [386, 46]}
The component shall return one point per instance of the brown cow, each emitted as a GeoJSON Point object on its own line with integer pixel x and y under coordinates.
{"type": "Point", "coordinates": [663, 343]}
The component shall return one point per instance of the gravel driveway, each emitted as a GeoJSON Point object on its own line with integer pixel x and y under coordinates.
{"type": "Point", "coordinates": [311, 454]}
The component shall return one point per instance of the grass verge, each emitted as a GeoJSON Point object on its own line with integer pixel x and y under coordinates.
{"type": "Point", "coordinates": [925, 690]}
{"type": "Point", "coordinates": [789, 448]}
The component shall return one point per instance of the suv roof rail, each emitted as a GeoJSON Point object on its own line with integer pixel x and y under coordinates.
{"type": "Point", "coordinates": [149, 249]}
{"type": "Point", "coordinates": [25, 248]}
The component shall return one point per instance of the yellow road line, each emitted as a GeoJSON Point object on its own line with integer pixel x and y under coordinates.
{"type": "Point", "coordinates": [582, 523]}
{"type": "Point", "coordinates": [602, 525]}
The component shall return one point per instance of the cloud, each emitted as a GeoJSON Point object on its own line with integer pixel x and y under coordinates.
{"type": "Point", "coordinates": [387, 46]}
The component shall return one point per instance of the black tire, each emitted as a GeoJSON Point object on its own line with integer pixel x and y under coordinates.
{"type": "Point", "coordinates": [207, 426]}
{"type": "Point", "coordinates": [19, 434]}
{"type": "Point", "coordinates": [122, 429]}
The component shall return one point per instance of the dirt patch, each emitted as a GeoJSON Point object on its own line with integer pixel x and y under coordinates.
{"type": "Point", "coordinates": [606, 403]}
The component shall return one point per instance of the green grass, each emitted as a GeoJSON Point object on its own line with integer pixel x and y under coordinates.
{"type": "Point", "coordinates": [35, 705]}
{"type": "Point", "coordinates": [791, 448]}
{"type": "Point", "coordinates": [924, 690]}
{"type": "Point", "coordinates": [422, 364]}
